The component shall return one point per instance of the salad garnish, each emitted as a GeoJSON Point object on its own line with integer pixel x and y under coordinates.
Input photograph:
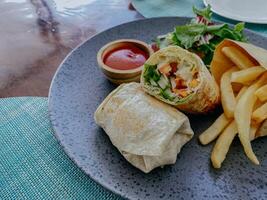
{"type": "Point", "coordinates": [201, 35]}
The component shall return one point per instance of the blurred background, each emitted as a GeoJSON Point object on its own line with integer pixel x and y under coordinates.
{"type": "Point", "coordinates": [36, 35]}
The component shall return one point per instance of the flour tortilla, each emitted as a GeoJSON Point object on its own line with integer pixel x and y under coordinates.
{"type": "Point", "coordinates": [147, 132]}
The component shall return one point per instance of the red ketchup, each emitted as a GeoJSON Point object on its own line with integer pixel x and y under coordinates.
{"type": "Point", "coordinates": [126, 57]}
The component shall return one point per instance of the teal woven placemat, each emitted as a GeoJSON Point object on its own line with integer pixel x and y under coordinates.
{"type": "Point", "coordinates": [159, 8]}
{"type": "Point", "coordinates": [32, 163]}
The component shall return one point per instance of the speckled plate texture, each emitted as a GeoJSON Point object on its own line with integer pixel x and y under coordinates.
{"type": "Point", "coordinates": [79, 87]}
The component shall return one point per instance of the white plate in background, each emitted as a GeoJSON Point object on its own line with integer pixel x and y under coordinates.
{"type": "Point", "coordinates": [252, 11]}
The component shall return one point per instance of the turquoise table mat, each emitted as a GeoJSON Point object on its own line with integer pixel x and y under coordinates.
{"type": "Point", "coordinates": [32, 163]}
{"type": "Point", "coordinates": [159, 8]}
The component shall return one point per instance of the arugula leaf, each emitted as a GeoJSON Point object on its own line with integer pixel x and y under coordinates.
{"type": "Point", "coordinates": [206, 12]}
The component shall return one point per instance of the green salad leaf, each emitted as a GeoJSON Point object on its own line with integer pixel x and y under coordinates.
{"type": "Point", "coordinates": [239, 27]}
{"type": "Point", "coordinates": [206, 12]}
{"type": "Point", "coordinates": [201, 36]}
{"type": "Point", "coordinates": [187, 35]}
{"type": "Point", "coordinates": [226, 32]}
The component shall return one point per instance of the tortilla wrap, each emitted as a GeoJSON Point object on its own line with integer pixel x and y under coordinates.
{"type": "Point", "coordinates": [147, 132]}
{"type": "Point", "coordinates": [203, 99]}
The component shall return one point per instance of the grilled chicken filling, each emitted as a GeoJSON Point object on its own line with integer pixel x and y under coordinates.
{"type": "Point", "coordinates": [175, 80]}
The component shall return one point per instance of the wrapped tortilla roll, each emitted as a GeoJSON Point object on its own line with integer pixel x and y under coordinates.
{"type": "Point", "coordinates": [147, 132]}
{"type": "Point", "coordinates": [180, 78]}
{"type": "Point", "coordinates": [254, 56]}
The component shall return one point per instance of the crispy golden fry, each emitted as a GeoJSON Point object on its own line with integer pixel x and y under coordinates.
{"type": "Point", "coordinates": [223, 144]}
{"type": "Point", "coordinates": [246, 76]}
{"type": "Point", "coordinates": [262, 131]}
{"type": "Point", "coordinates": [242, 116]}
{"type": "Point", "coordinates": [260, 114]}
{"type": "Point", "coordinates": [241, 92]}
{"type": "Point", "coordinates": [227, 95]}
{"type": "Point", "coordinates": [214, 130]}
{"type": "Point", "coordinates": [217, 127]}
{"type": "Point", "coordinates": [253, 130]}
{"type": "Point", "coordinates": [240, 59]}
{"type": "Point", "coordinates": [261, 93]}
{"type": "Point", "coordinates": [225, 140]}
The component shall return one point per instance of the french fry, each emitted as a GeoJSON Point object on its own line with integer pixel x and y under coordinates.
{"type": "Point", "coordinates": [241, 92]}
{"type": "Point", "coordinates": [246, 76]}
{"type": "Point", "coordinates": [223, 144]}
{"type": "Point", "coordinates": [254, 126]}
{"type": "Point", "coordinates": [260, 114]}
{"type": "Point", "coordinates": [262, 131]}
{"type": "Point", "coordinates": [243, 114]}
{"type": "Point", "coordinates": [225, 140]}
{"type": "Point", "coordinates": [214, 130]}
{"type": "Point", "coordinates": [253, 130]}
{"type": "Point", "coordinates": [261, 93]}
{"type": "Point", "coordinates": [227, 95]}
{"type": "Point", "coordinates": [217, 127]}
{"type": "Point", "coordinates": [241, 60]}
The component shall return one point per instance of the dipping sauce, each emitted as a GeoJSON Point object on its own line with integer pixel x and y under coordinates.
{"type": "Point", "coordinates": [126, 57]}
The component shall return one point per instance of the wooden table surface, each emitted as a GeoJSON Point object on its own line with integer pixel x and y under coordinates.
{"type": "Point", "coordinates": [36, 35]}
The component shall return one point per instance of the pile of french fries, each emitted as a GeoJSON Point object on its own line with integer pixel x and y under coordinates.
{"type": "Point", "coordinates": [244, 101]}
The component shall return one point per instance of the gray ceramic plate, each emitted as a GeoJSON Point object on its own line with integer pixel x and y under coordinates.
{"type": "Point", "coordinates": [79, 87]}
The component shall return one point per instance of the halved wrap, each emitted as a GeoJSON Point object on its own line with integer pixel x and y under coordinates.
{"type": "Point", "coordinates": [180, 78]}
{"type": "Point", "coordinates": [220, 63]}
{"type": "Point", "coordinates": [147, 132]}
